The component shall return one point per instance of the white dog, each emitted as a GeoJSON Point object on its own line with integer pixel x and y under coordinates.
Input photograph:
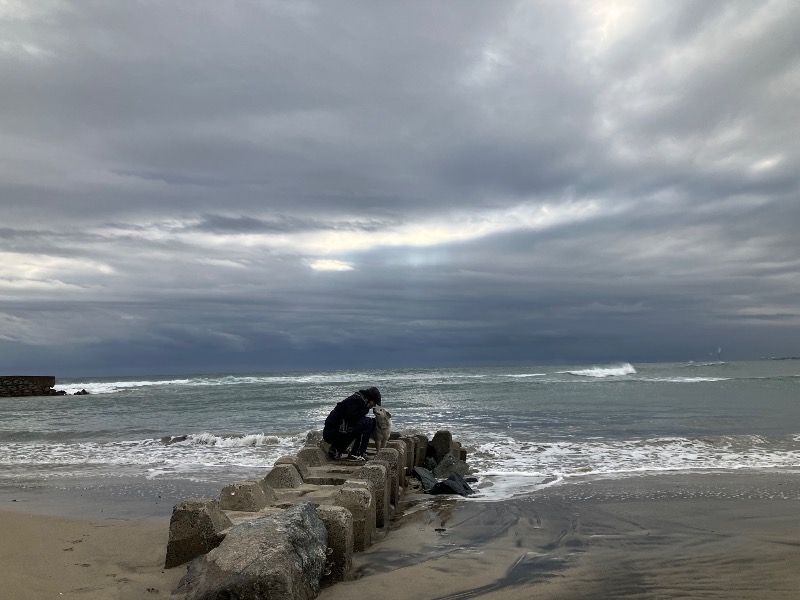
{"type": "Point", "coordinates": [383, 427]}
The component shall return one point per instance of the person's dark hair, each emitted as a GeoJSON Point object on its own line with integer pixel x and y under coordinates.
{"type": "Point", "coordinates": [373, 394]}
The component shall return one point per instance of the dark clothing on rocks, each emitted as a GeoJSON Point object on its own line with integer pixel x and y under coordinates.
{"type": "Point", "coordinates": [348, 421]}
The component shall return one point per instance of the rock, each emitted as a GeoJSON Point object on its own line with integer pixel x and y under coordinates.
{"type": "Point", "coordinates": [426, 478]}
{"type": "Point", "coordinates": [281, 557]}
{"type": "Point", "coordinates": [455, 484]}
{"type": "Point", "coordinates": [449, 465]}
{"type": "Point", "coordinates": [195, 527]}
{"type": "Point", "coordinates": [441, 445]}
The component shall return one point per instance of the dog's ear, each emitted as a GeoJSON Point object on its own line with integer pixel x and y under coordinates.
{"type": "Point", "coordinates": [388, 414]}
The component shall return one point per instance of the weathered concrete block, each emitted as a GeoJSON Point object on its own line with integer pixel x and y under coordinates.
{"type": "Point", "coordinates": [313, 438]}
{"type": "Point", "coordinates": [339, 524]}
{"type": "Point", "coordinates": [312, 455]}
{"type": "Point", "coordinates": [371, 516]}
{"type": "Point", "coordinates": [278, 556]}
{"type": "Point", "coordinates": [422, 450]}
{"type": "Point", "coordinates": [391, 456]}
{"type": "Point", "coordinates": [401, 460]}
{"type": "Point", "coordinates": [411, 450]}
{"type": "Point", "coordinates": [377, 475]}
{"type": "Point", "coordinates": [283, 476]}
{"type": "Point", "coordinates": [441, 444]}
{"type": "Point", "coordinates": [456, 450]}
{"type": "Point", "coordinates": [298, 464]}
{"type": "Point", "coordinates": [196, 527]}
{"type": "Point", "coordinates": [246, 496]}
{"type": "Point", "coordinates": [359, 502]}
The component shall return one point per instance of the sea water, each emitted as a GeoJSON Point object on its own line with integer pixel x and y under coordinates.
{"type": "Point", "coordinates": [525, 428]}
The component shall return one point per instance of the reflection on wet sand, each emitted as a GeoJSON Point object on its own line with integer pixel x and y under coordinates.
{"type": "Point", "coordinates": [664, 537]}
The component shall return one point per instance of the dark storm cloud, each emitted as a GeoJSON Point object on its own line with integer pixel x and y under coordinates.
{"type": "Point", "coordinates": [208, 185]}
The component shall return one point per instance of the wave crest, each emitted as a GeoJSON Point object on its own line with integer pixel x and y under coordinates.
{"type": "Point", "coordinates": [608, 371]}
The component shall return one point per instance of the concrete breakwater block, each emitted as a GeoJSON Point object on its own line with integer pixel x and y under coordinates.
{"type": "Point", "coordinates": [377, 475]}
{"type": "Point", "coordinates": [356, 498]}
{"type": "Point", "coordinates": [400, 446]}
{"type": "Point", "coordinates": [196, 527]}
{"type": "Point", "coordinates": [283, 476]}
{"type": "Point", "coordinates": [392, 458]}
{"type": "Point", "coordinates": [339, 525]}
{"type": "Point", "coordinates": [250, 496]}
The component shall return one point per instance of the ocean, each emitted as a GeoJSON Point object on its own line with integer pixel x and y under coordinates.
{"type": "Point", "coordinates": [151, 441]}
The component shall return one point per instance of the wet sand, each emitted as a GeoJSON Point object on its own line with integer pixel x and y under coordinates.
{"type": "Point", "coordinates": [699, 536]}
{"type": "Point", "coordinates": [703, 536]}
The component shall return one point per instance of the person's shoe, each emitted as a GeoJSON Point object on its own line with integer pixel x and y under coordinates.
{"type": "Point", "coordinates": [334, 454]}
{"type": "Point", "coordinates": [356, 457]}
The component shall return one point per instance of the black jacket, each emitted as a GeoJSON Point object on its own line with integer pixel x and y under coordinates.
{"type": "Point", "coordinates": [350, 410]}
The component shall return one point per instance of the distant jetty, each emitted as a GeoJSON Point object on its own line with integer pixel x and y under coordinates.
{"type": "Point", "coordinates": [18, 386]}
{"type": "Point", "coordinates": [28, 385]}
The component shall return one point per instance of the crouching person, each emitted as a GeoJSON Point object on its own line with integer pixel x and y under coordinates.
{"type": "Point", "coordinates": [348, 423]}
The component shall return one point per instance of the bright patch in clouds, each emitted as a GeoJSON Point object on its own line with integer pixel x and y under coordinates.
{"type": "Point", "coordinates": [330, 265]}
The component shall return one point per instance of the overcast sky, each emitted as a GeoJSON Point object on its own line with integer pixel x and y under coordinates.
{"type": "Point", "coordinates": [255, 185]}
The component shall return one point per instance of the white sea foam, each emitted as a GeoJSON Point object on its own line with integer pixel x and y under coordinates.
{"type": "Point", "coordinates": [524, 375]}
{"type": "Point", "coordinates": [607, 371]}
{"type": "Point", "coordinates": [197, 457]}
{"type": "Point", "coordinates": [508, 467]}
{"type": "Point", "coordinates": [109, 387]}
{"type": "Point", "coordinates": [685, 379]}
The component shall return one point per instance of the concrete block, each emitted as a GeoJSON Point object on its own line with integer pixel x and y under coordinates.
{"type": "Point", "coordinates": [391, 456]}
{"type": "Point", "coordinates": [312, 455]}
{"type": "Point", "coordinates": [300, 465]}
{"type": "Point", "coordinates": [422, 450]}
{"type": "Point", "coordinates": [377, 474]}
{"type": "Point", "coordinates": [247, 496]}
{"type": "Point", "coordinates": [283, 476]}
{"type": "Point", "coordinates": [371, 518]}
{"type": "Point", "coordinates": [339, 524]}
{"type": "Point", "coordinates": [411, 448]}
{"type": "Point", "coordinates": [400, 446]}
{"type": "Point", "coordinates": [196, 527]}
{"type": "Point", "coordinates": [359, 502]}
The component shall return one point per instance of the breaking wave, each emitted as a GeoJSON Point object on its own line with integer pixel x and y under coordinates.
{"type": "Point", "coordinates": [608, 371]}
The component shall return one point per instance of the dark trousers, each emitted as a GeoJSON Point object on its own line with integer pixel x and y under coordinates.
{"type": "Point", "coordinates": [359, 433]}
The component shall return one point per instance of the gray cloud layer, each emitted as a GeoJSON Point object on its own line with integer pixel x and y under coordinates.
{"type": "Point", "coordinates": [259, 185]}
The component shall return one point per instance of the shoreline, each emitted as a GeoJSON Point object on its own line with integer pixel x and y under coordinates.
{"type": "Point", "coordinates": [711, 535]}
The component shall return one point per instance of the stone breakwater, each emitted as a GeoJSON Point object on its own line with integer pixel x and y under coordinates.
{"type": "Point", "coordinates": [282, 535]}
{"type": "Point", "coordinates": [12, 386]}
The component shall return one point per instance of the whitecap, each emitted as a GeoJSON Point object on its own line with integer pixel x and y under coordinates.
{"type": "Point", "coordinates": [607, 371]}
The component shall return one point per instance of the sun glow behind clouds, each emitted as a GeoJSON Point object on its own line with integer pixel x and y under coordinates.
{"type": "Point", "coordinates": [330, 265]}
{"type": "Point", "coordinates": [455, 229]}
{"type": "Point", "coordinates": [345, 237]}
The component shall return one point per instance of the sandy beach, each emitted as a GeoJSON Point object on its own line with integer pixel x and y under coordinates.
{"type": "Point", "coordinates": [698, 536]}
{"type": "Point", "coordinates": [47, 556]}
